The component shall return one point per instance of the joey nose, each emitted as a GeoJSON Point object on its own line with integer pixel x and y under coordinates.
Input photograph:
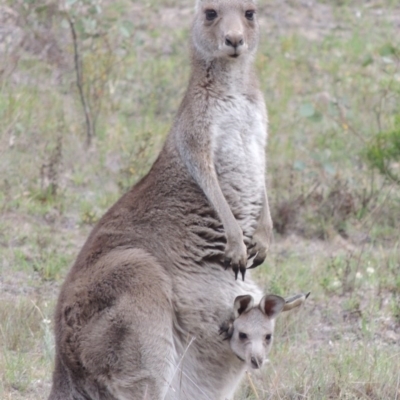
{"type": "Point", "coordinates": [234, 40]}
{"type": "Point", "coordinates": [254, 363]}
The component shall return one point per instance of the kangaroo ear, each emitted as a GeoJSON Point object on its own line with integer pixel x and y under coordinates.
{"type": "Point", "coordinates": [242, 304]}
{"type": "Point", "coordinates": [272, 305]}
{"type": "Point", "coordinates": [295, 301]}
{"type": "Point", "coordinates": [226, 329]}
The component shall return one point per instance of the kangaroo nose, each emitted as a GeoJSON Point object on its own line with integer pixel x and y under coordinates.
{"type": "Point", "coordinates": [254, 363]}
{"type": "Point", "coordinates": [234, 40]}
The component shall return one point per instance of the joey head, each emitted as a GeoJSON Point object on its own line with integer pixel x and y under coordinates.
{"type": "Point", "coordinates": [251, 330]}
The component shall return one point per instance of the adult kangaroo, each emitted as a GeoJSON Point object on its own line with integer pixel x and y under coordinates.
{"type": "Point", "coordinates": [139, 312]}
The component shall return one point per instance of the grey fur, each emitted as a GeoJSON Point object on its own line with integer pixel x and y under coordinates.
{"type": "Point", "coordinates": [138, 314]}
{"type": "Point", "coordinates": [251, 327]}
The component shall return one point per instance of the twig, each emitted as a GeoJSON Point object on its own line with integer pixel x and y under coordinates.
{"type": "Point", "coordinates": [352, 254]}
{"type": "Point", "coordinates": [194, 384]}
{"type": "Point", "coordinates": [397, 387]}
{"type": "Point", "coordinates": [180, 361]}
{"type": "Point", "coordinates": [38, 309]}
{"type": "Point", "coordinates": [79, 83]}
{"type": "Point", "coordinates": [377, 207]}
{"type": "Point", "coordinates": [107, 71]}
{"type": "Point", "coordinates": [253, 388]}
{"type": "Point", "coordinates": [364, 395]}
{"type": "Point", "coordinates": [342, 121]}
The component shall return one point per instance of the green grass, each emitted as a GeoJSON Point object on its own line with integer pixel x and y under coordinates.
{"type": "Point", "coordinates": [26, 345]}
{"type": "Point", "coordinates": [342, 344]}
{"type": "Point", "coordinates": [331, 78]}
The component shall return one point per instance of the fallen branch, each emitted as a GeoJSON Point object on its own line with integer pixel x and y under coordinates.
{"type": "Point", "coordinates": [79, 83]}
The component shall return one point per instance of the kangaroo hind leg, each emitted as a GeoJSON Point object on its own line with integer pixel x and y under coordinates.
{"type": "Point", "coordinates": [129, 346]}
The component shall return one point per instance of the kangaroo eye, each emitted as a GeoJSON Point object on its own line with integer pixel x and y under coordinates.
{"type": "Point", "coordinates": [211, 15]}
{"type": "Point", "coordinates": [268, 337]}
{"type": "Point", "coordinates": [250, 15]}
{"type": "Point", "coordinates": [242, 335]}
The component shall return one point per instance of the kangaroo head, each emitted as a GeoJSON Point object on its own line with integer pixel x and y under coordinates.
{"type": "Point", "coordinates": [225, 28]}
{"type": "Point", "coordinates": [251, 331]}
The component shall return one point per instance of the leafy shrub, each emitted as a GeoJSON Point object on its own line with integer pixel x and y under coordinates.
{"type": "Point", "coordinates": [383, 153]}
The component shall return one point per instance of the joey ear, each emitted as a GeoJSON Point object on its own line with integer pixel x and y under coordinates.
{"type": "Point", "coordinates": [242, 304]}
{"type": "Point", "coordinates": [271, 305]}
{"type": "Point", "coordinates": [295, 301]}
{"type": "Point", "coordinates": [226, 329]}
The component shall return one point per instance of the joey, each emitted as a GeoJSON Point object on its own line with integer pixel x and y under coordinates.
{"type": "Point", "coordinates": [251, 329]}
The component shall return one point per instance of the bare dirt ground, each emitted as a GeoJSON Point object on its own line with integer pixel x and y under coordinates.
{"type": "Point", "coordinates": [345, 343]}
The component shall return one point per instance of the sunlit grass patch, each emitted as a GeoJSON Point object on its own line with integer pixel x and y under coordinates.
{"type": "Point", "coordinates": [331, 79]}
{"type": "Point", "coordinates": [26, 343]}
{"type": "Point", "coordinates": [342, 343]}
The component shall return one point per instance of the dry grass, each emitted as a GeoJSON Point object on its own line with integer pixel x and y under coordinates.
{"type": "Point", "coordinates": [331, 76]}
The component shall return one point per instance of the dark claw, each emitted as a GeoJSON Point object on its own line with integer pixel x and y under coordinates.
{"type": "Point", "coordinates": [251, 246]}
{"type": "Point", "coordinates": [256, 263]}
{"type": "Point", "coordinates": [236, 271]}
{"type": "Point", "coordinates": [251, 254]}
{"type": "Point", "coordinates": [243, 272]}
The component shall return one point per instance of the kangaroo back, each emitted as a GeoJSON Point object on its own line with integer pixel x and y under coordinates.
{"type": "Point", "coordinates": [139, 312]}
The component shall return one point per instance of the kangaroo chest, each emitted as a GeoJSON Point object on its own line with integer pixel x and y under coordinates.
{"type": "Point", "coordinates": [239, 137]}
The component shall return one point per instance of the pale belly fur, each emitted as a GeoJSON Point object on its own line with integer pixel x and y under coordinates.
{"type": "Point", "coordinates": [240, 136]}
{"type": "Point", "coordinates": [239, 143]}
{"type": "Point", "coordinates": [205, 367]}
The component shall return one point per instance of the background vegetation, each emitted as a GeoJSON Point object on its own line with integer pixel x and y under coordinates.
{"type": "Point", "coordinates": [88, 90]}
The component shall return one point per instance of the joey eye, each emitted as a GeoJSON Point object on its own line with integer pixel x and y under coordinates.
{"type": "Point", "coordinates": [211, 15]}
{"type": "Point", "coordinates": [268, 337]}
{"type": "Point", "coordinates": [250, 15]}
{"type": "Point", "coordinates": [242, 335]}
